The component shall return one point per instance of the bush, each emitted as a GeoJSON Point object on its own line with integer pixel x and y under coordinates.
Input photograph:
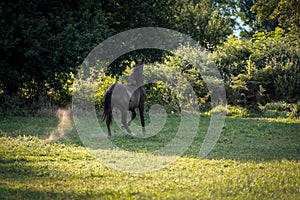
{"type": "Point", "coordinates": [278, 106]}
{"type": "Point", "coordinates": [262, 69]}
{"type": "Point", "coordinates": [294, 110]}
{"type": "Point", "coordinates": [236, 111]}
{"type": "Point", "coordinates": [16, 105]}
{"type": "Point", "coordinates": [281, 109]}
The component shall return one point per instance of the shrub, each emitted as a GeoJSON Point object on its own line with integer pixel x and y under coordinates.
{"type": "Point", "coordinates": [17, 106]}
{"type": "Point", "coordinates": [262, 69]}
{"type": "Point", "coordinates": [294, 110]}
{"type": "Point", "coordinates": [279, 106]}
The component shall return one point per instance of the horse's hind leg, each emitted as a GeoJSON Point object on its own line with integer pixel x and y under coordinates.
{"type": "Point", "coordinates": [141, 109]}
{"type": "Point", "coordinates": [132, 116]}
{"type": "Point", "coordinates": [124, 122]}
{"type": "Point", "coordinates": [108, 126]}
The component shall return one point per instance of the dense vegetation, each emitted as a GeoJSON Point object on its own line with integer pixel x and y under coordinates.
{"type": "Point", "coordinates": [42, 45]}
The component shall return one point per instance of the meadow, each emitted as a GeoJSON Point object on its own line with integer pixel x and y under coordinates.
{"type": "Point", "coordinates": [254, 158]}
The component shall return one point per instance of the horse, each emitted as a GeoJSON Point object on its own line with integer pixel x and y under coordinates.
{"type": "Point", "coordinates": [126, 98]}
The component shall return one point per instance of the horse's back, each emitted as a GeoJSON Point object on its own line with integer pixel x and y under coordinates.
{"type": "Point", "coordinates": [120, 91]}
{"type": "Point", "coordinates": [127, 95]}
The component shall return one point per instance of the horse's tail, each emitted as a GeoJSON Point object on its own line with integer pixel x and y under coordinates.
{"type": "Point", "coordinates": [107, 112]}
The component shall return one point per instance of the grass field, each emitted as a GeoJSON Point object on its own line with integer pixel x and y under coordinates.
{"type": "Point", "coordinates": [254, 158]}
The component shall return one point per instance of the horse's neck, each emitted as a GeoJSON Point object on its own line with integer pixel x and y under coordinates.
{"type": "Point", "coordinates": [136, 78]}
{"type": "Point", "coordinates": [133, 87]}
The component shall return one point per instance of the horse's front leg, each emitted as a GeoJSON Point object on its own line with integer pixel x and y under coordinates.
{"type": "Point", "coordinates": [124, 122]}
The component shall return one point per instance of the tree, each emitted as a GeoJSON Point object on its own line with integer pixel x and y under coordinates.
{"type": "Point", "coordinates": [207, 21]}
{"type": "Point", "coordinates": [274, 13]}
{"type": "Point", "coordinates": [249, 18]}
{"type": "Point", "coordinates": [43, 43]}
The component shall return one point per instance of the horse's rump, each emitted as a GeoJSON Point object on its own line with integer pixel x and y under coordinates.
{"type": "Point", "coordinates": [126, 96]}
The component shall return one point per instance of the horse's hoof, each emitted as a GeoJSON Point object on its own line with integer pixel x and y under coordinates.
{"type": "Point", "coordinates": [131, 134]}
{"type": "Point", "coordinates": [123, 127]}
{"type": "Point", "coordinates": [144, 131]}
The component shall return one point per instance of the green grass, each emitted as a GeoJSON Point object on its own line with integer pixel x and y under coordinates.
{"type": "Point", "coordinates": [255, 158]}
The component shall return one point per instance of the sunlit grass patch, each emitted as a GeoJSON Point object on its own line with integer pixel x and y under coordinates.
{"type": "Point", "coordinates": [29, 168]}
{"type": "Point", "coordinates": [253, 159]}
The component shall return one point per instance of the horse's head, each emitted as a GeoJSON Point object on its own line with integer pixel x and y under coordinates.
{"type": "Point", "coordinates": [138, 62]}
{"type": "Point", "coordinates": [136, 78]}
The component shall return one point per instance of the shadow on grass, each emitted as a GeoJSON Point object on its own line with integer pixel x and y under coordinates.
{"type": "Point", "coordinates": [244, 139]}
{"type": "Point", "coordinates": [256, 139]}
{"type": "Point", "coordinates": [23, 193]}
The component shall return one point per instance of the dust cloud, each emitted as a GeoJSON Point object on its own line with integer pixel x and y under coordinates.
{"type": "Point", "coordinates": [64, 125]}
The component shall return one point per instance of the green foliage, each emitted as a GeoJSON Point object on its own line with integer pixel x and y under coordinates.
{"type": "Point", "coordinates": [294, 110]}
{"type": "Point", "coordinates": [280, 110]}
{"type": "Point", "coordinates": [17, 106]}
{"type": "Point", "coordinates": [91, 89]}
{"type": "Point", "coordinates": [237, 112]}
{"type": "Point", "coordinates": [278, 106]}
{"type": "Point", "coordinates": [208, 22]}
{"type": "Point", "coordinates": [278, 13]}
{"type": "Point", "coordinates": [261, 69]}
{"type": "Point", "coordinates": [261, 15]}
{"type": "Point", "coordinates": [249, 19]}
{"type": "Point", "coordinates": [43, 43]}
{"type": "Point", "coordinates": [174, 83]}
{"type": "Point", "coordinates": [162, 91]}
{"type": "Point", "coordinates": [104, 83]}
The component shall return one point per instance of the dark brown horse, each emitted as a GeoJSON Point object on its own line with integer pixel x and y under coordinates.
{"type": "Point", "coordinates": [126, 97]}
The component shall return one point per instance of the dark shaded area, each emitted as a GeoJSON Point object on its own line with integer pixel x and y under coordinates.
{"type": "Point", "coordinates": [43, 43]}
